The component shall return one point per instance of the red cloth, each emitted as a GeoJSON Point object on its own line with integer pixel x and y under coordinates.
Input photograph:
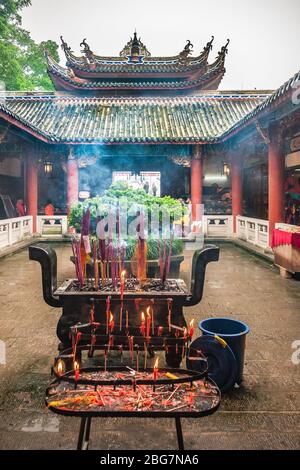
{"type": "Point", "coordinates": [280, 237]}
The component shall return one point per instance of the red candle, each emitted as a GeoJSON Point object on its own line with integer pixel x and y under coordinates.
{"type": "Point", "coordinates": [191, 332]}
{"type": "Point", "coordinates": [60, 367]}
{"type": "Point", "coordinates": [107, 312]}
{"type": "Point", "coordinates": [155, 369]}
{"type": "Point", "coordinates": [122, 284]}
{"type": "Point", "coordinates": [169, 312]}
{"type": "Point", "coordinates": [148, 325]}
{"type": "Point", "coordinates": [76, 369]}
{"type": "Point", "coordinates": [142, 327]}
{"type": "Point", "coordinates": [111, 323]}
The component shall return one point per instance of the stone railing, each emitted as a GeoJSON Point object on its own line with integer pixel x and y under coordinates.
{"type": "Point", "coordinates": [255, 231]}
{"type": "Point", "coordinates": [14, 230]}
{"type": "Point", "coordinates": [52, 225]}
{"type": "Point", "coordinates": [217, 226]}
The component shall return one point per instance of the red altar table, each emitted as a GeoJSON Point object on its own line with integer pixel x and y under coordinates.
{"type": "Point", "coordinates": [286, 247]}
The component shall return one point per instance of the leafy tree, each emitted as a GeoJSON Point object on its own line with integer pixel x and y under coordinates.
{"type": "Point", "coordinates": [22, 61]}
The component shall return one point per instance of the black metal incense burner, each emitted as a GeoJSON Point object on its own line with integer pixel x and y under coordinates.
{"type": "Point", "coordinates": [77, 301]}
{"type": "Point", "coordinates": [114, 392]}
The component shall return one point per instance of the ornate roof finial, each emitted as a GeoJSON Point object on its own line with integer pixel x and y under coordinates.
{"type": "Point", "coordinates": [186, 51]}
{"type": "Point", "coordinates": [208, 46]}
{"type": "Point", "coordinates": [224, 50]}
{"type": "Point", "coordinates": [135, 45]}
{"type": "Point", "coordinates": [87, 51]}
{"type": "Point", "coordinates": [127, 49]}
{"type": "Point", "coordinates": [64, 45]}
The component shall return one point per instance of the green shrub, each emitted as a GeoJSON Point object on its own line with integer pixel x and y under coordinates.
{"type": "Point", "coordinates": [114, 195]}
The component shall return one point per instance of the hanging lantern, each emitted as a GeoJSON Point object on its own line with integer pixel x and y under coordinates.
{"type": "Point", "coordinates": [226, 169]}
{"type": "Point", "coordinates": [48, 168]}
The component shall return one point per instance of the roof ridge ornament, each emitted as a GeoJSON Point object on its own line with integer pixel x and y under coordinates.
{"type": "Point", "coordinates": [224, 50]}
{"type": "Point", "coordinates": [65, 46]}
{"type": "Point", "coordinates": [209, 46]}
{"type": "Point", "coordinates": [89, 55]}
{"type": "Point", "coordinates": [183, 55]}
{"type": "Point", "coordinates": [126, 51]}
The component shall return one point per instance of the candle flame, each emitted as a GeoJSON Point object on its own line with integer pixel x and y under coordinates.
{"type": "Point", "coordinates": [60, 367]}
{"type": "Point", "coordinates": [143, 316]}
{"type": "Point", "coordinates": [184, 332]}
{"type": "Point", "coordinates": [111, 318]}
{"type": "Point", "coordinates": [123, 273]}
{"type": "Point", "coordinates": [76, 365]}
{"type": "Point", "coordinates": [148, 310]}
{"type": "Point", "coordinates": [156, 363]}
{"type": "Point", "coordinates": [192, 323]}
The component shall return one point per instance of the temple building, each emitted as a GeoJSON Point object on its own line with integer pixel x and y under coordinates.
{"type": "Point", "coordinates": [157, 119]}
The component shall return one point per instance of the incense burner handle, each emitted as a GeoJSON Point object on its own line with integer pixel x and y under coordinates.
{"type": "Point", "coordinates": [46, 256]}
{"type": "Point", "coordinates": [200, 259]}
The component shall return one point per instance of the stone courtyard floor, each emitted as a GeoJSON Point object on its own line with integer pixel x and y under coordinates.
{"type": "Point", "coordinates": [264, 413]}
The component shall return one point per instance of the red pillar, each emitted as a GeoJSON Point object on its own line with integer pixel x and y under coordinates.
{"type": "Point", "coordinates": [236, 188]}
{"type": "Point", "coordinates": [196, 183]}
{"type": "Point", "coordinates": [276, 181]}
{"type": "Point", "coordinates": [32, 190]}
{"type": "Point", "coordinates": [72, 181]}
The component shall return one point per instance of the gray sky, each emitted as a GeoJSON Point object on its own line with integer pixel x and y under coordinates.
{"type": "Point", "coordinates": [264, 34]}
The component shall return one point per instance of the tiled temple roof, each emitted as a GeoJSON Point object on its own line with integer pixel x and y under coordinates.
{"type": "Point", "coordinates": [210, 74]}
{"type": "Point", "coordinates": [93, 63]}
{"type": "Point", "coordinates": [201, 119]}
{"type": "Point", "coordinates": [135, 70]}
{"type": "Point", "coordinates": [282, 93]}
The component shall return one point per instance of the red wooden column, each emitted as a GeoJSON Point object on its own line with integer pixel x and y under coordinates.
{"type": "Point", "coordinates": [196, 183]}
{"type": "Point", "coordinates": [275, 180]}
{"type": "Point", "coordinates": [32, 189]}
{"type": "Point", "coordinates": [72, 180]}
{"type": "Point", "coordinates": [236, 187]}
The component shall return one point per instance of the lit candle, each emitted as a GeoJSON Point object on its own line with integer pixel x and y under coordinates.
{"type": "Point", "coordinates": [60, 367]}
{"type": "Point", "coordinates": [122, 284]}
{"type": "Point", "coordinates": [148, 324]}
{"type": "Point", "coordinates": [191, 332]}
{"type": "Point", "coordinates": [155, 369]}
{"type": "Point", "coordinates": [111, 323]}
{"type": "Point", "coordinates": [142, 327]}
{"type": "Point", "coordinates": [184, 333]}
{"type": "Point", "coordinates": [76, 369]}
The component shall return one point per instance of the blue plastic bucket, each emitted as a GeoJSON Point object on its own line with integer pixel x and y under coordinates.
{"type": "Point", "coordinates": [233, 332]}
